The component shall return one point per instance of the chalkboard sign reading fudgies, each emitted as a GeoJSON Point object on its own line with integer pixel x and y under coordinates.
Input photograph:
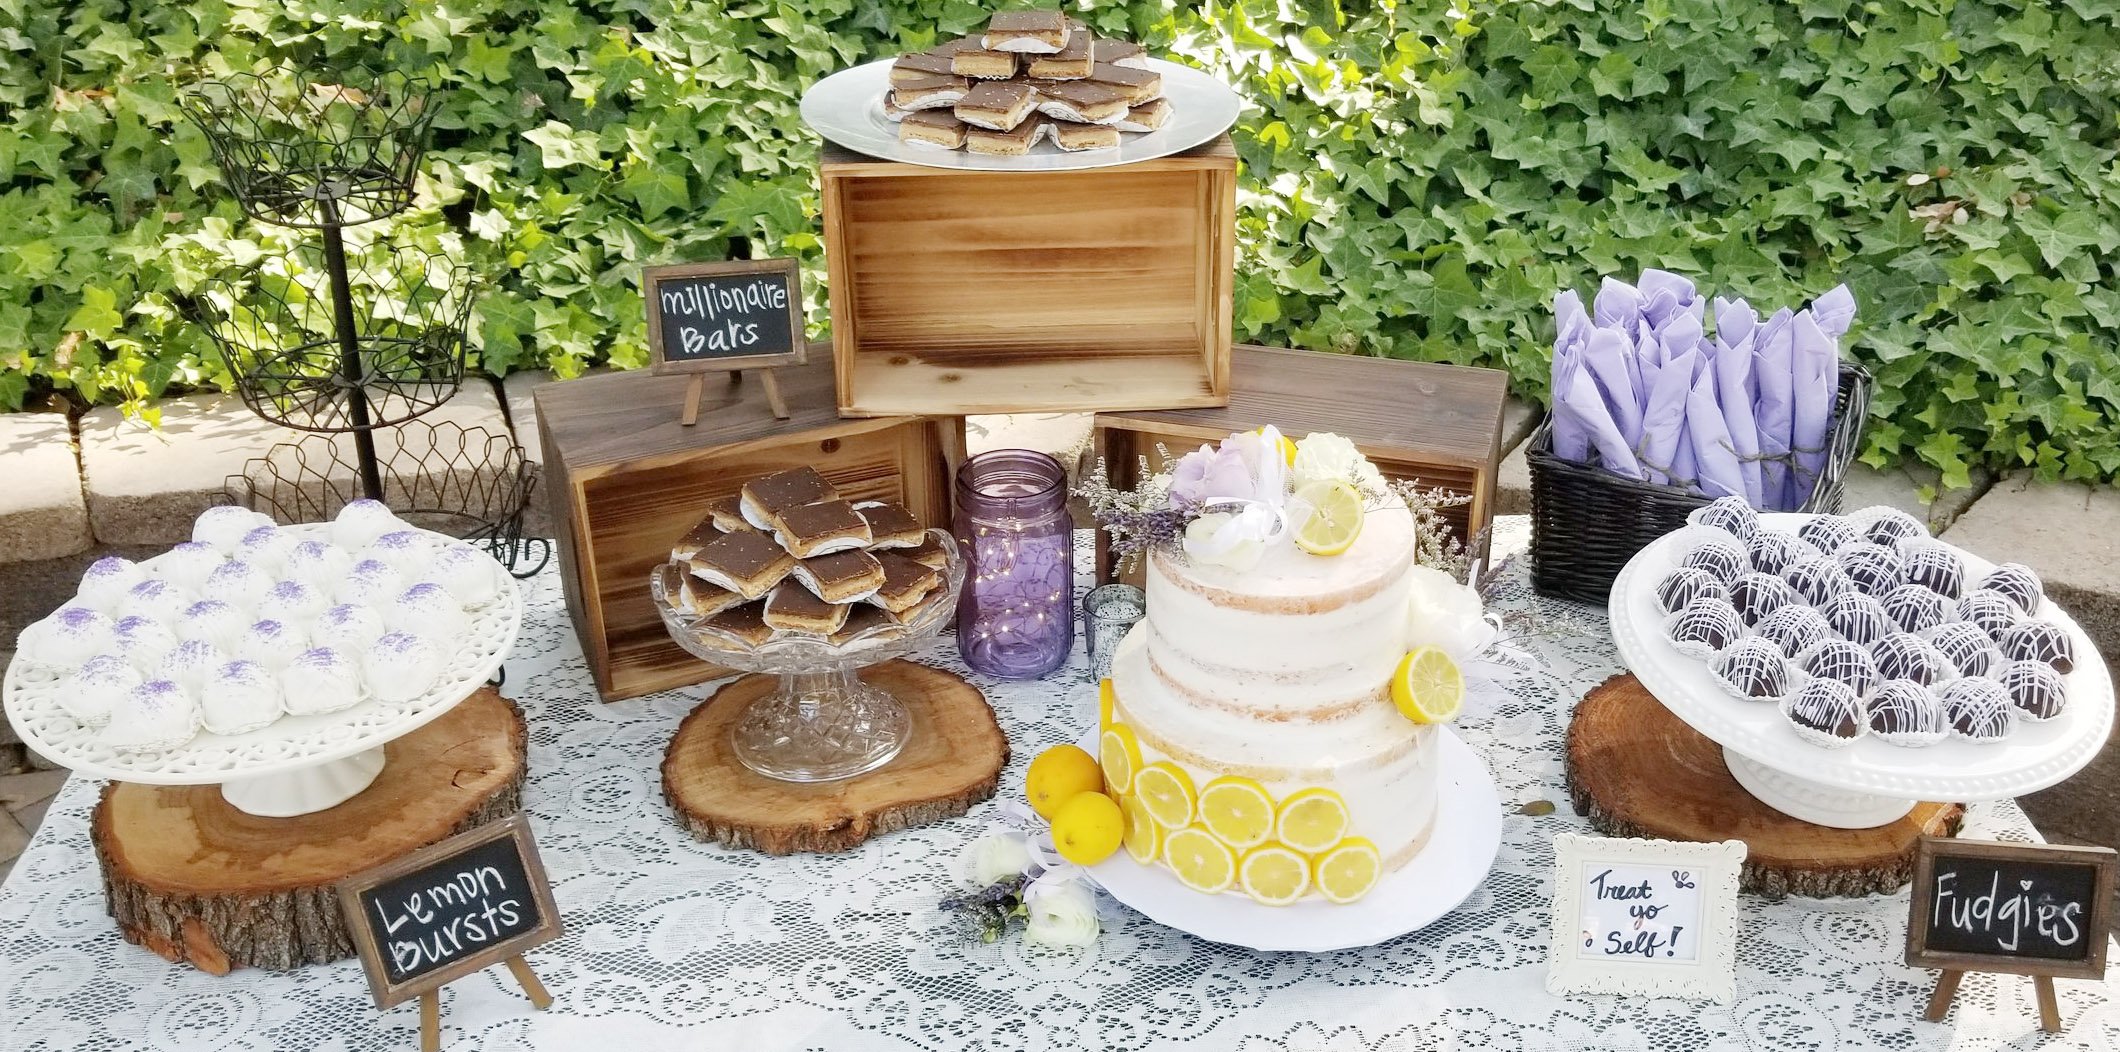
{"type": "Point", "coordinates": [742, 314]}
{"type": "Point", "coordinates": [467, 903]}
{"type": "Point", "coordinates": [2024, 909]}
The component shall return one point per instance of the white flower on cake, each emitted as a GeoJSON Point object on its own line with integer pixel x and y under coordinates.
{"type": "Point", "coordinates": [1322, 455]}
{"type": "Point", "coordinates": [1235, 539]}
{"type": "Point", "coordinates": [996, 857]}
{"type": "Point", "coordinates": [1446, 615]}
{"type": "Point", "coordinates": [1061, 913]}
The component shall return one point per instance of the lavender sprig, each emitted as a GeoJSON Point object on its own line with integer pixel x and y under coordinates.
{"type": "Point", "coordinates": [989, 908]}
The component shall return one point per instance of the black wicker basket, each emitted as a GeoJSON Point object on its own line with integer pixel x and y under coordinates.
{"type": "Point", "coordinates": [1586, 522]}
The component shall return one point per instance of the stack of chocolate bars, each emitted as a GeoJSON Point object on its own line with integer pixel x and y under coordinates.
{"type": "Point", "coordinates": [789, 556]}
{"type": "Point", "coordinates": [1032, 75]}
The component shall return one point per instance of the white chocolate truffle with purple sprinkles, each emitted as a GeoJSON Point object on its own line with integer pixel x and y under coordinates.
{"type": "Point", "coordinates": [271, 643]}
{"type": "Point", "coordinates": [70, 636]}
{"type": "Point", "coordinates": [349, 627]}
{"type": "Point", "coordinates": [160, 600]}
{"type": "Point", "coordinates": [223, 527]}
{"type": "Point", "coordinates": [143, 641]}
{"type": "Point", "coordinates": [187, 565]}
{"type": "Point", "coordinates": [157, 714]}
{"type": "Point", "coordinates": [266, 548]}
{"type": "Point", "coordinates": [371, 583]}
{"type": "Point", "coordinates": [97, 687]}
{"type": "Point", "coordinates": [467, 572]}
{"type": "Point", "coordinates": [405, 551]}
{"type": "Point", "coordinates": [240, 697]}
{"type": "Point", "coordinates": [104, 583]}
{"type": "Point", "coordinates": [316, 564]}
{"type": "Point", "coordinates": [190, 663]}
{"type": "Point", "coordinates": [293, 602]}
{"type": "Point", "coordinates": [212, 621]}
{"type": "Point", "coordinates": [401, 667]}
{"type": "Point", "coordinates": [238, 584]}
{"type": "Point", "coordinates": [360, 522]}
{"type": "Point", "coordinates": [428, 610]}
{"type": "Point", "coordinates": [320, 680]}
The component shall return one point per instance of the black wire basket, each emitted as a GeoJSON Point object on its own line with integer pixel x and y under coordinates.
{"type": "Point", "coordinates": [277, 323]}
{"type": "Point", "coordinates": [1586, 522]}
{"type": "Point", "coordinates": [471, 483]}
{"type": "Point", "coordinates": [302, 151]}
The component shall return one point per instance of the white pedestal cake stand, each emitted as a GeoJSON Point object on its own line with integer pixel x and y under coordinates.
{"type": "Point", "coordinates": [1461, 849]}
{"type": "Point", "coordinates": [298, 764]}
{"type": "Point", "coordinates": [1870, 782]}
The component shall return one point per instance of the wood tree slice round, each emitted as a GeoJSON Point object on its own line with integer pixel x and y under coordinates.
{"type": "Point", "coordinates": [1636, 770]}
{"type": "Point", "coordinates": [952, 761]}
{"type": "Point", "coordinates": [193, 879]}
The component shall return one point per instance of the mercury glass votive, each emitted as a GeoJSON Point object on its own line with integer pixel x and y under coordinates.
{"type": "Point", "coordinates": [1015, 616]}
{"type": "Point", "coordinates": [1108, 613]}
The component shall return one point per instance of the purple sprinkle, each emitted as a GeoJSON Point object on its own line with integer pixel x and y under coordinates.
{"type": "Point", "coordinates": [76, 617]}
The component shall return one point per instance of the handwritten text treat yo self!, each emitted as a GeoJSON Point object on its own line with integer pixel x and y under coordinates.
{"type": "Point", "coordinates": [1633, 911]}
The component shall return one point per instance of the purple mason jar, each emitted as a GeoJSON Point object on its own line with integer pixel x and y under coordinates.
{"type": "Point", "coordinates": [1015, 617]}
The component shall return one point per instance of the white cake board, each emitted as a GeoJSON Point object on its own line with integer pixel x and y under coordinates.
{"type": "Point", "coordinates": [1869, 782]}
{"type": "Point", "coordinates": [299, 764]}
{"type": "Point", "coordinates": [1461, 849]}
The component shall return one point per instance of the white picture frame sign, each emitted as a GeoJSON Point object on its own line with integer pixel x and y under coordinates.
{"type": "Point", "coordinates": [1647, 917]}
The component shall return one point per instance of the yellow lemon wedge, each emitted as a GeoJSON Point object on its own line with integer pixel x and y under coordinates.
{"type": "Point", "coordinates": [1120, 754]}
{"type": "Point", "coordinates": [1237, 810]}
{"type": "Point", "coordinates": [1428, 688]}
{"type": "Point", "coordinates": [1144, 837]}
{"type": "Point", "coordinates": [1311, 820]}
{"type": "Point", "coordinates": [1167, 792]}
{"type": "Point", "coordinates": [1347, 871]}
{"type": "Point", "coordinates": [1273, 875]}
{"type": "Point", "coordinates": [1057, 775]}
{"type": "Point", "coordinates": [1201, 862]}
{"type": "Point", "coordinates": [1333, 519]}
{"type": "Point", "coordinates": [1088, 828]}
{"type": "Point", "coordinates": [1107, 699]}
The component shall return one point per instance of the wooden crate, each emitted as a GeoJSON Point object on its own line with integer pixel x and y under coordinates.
{"type": "Point", "coordinates": [624, 480]}
{"type": "Point", "coordinates": [1005, 292]}
{"type": "Point", "coordinates": [1440, 424]}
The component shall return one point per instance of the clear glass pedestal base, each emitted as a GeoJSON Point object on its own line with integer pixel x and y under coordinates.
{"type": "Point", "coordinates": [821, 726]}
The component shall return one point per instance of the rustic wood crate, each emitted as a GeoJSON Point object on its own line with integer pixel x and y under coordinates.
{"type": "Point", "coordinates": [624, 481]}
{"type": "Point", "coordinates": [1440, 424]}
{"type": "Point", "coordinates": [1022, 292]}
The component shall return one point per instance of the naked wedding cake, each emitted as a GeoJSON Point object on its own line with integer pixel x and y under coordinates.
{"type": "Point", "coordinates": [1253, 734]}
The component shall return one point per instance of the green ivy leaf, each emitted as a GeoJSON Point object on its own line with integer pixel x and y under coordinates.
{"type": "Point", "coordinates": [2059, 237]}
{"type": "Point", "coordinates": [565, 147]}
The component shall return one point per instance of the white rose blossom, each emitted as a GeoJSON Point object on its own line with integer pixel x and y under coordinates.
{"type": "Point", "coordinates": [1324, 455]}
{"type": "Point", "coordinates": [1447, 615]}
{"type": "Point", "coordinates": [996, 857]}
{"type": "Point", "coordinates": [1062, 913]}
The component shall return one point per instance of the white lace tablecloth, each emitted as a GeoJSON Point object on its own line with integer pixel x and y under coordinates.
{"type": "Point", "coordinates": [672, 943]}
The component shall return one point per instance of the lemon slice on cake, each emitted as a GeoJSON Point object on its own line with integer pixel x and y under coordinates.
{"type": "Point", "coordinates": [1144, 837]}
{"type": "Point", "coordinates": [1120, 754]}
{"type": "Point", "coordinates": [1107, 699]}
{"type": "Point", "coordinates": [1428, 688]}
{"type": "Point", "coordinates": [1237, 810]}
{"type": "Point", "coordinates": [1201, 862]}
{"type": "Point", "coordinates": [1167, 792]}
{"type": "Point", "coordinates": [1273, 875]}
{"type": "Point", "coordinates": [1334, 519]}
{"type": "Point", "coordinates": [1347, 871]}
{"type": "Point", "coordinates": [1311, 820]}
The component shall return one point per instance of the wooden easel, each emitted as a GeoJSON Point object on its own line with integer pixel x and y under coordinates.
{"type": "Point", "coordinates": [695, 390]}
{"type": "Point", "coordinates": [2043, 985]}
{"type": "Point", "coordinates": [431, 1003]}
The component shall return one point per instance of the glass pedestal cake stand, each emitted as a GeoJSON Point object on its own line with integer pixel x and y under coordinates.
{"type": "Point", "coordinates": [297, 765]}
{"type": "Point", "coordinates": [821, 723]}
{"type": "Point", "coordinates": [1868, 782]}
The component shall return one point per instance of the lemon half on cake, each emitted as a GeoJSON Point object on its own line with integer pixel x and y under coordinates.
{"type": "Point", "coordinates": [1167, 792]}
{"type": "Point", "coordinates": [1144, 837]}
{"type": "Point", "coordinates": [1347, 871]}
{"type": "Point", "coordinates": [1428, 687]}
{"type": "Point", "coordinates": [1273, 875]}
{"type": "Point", "coordinates": [1332, 510]}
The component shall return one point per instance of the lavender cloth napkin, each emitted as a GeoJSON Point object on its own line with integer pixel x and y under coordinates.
{"type": "Point", "coordinates": [1734, 391]}
{"type": "Point", "coordinates": [1773, 359]}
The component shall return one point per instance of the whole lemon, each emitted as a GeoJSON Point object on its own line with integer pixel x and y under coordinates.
{"type": "Point", "coordinates": [1088, 829]}
{"type": "Point", "coordinates": [1057, 775]}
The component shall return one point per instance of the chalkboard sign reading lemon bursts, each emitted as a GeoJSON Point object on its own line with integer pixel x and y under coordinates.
{"type": "Point", "coordinates": [710, 317]}
{"type": "Point", "coordinates": [2024, 909]}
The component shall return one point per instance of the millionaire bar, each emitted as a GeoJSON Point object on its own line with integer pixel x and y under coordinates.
{"type": "Point", "coordinates": [700, 599]}
{"type": "Point", "coordinates": [1139, 85]}
{"type": "Point", "coordinates": [842, 577]}
{"type": "Point", "coordinates": [932, 128]}
{"type": "Point", "coordinates": [749, 564]}
{"type": "Point", "coordinates": [984, 65]}
{"type": "Point", "coordinates": [905, 582]}
{"type": "Point", "coordinates": [1078, 138]}
{"type": "Point", "coordinates": [916, 65]}
{"type": "Point", "coordinates": [821, 529]}
{"type": "Point", "coordinates": [792, 608]}
{"type": "Point", "coordinates": [998, 106]}
{"type": "Point", "coordinates": [930, 92]}
{"type": "Point", "coordinates": [1026, 32]}
{"type": "Point", "coordinates": [699, 536]}
{"type": "Point", "coordinates": [891, 525]}
{"type": "Point", "coordinates": [1146, 117]}
{"type": "Point", "coordinates": [1073, 62]}
{"type": "Point", "coordinates": [746, 622]}
{"type": "Point", "coordinates": [1082, 101]}
{"type": "Point", "coordinates": [929, 553]}
{"type": "Point", "coordinates": [763, 498]}
{"type": "Point", "coordinates": [1014, 143]}
{"type": "Point", "coordinates": [1120, 53]}
{"type": "Point", "coordinates": [864, 619]}
{"type": "Point", "coordinates": [727, 514]}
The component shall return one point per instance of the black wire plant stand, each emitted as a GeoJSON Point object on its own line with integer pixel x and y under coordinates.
{"type": "Point", "coordinates": [350, 339]}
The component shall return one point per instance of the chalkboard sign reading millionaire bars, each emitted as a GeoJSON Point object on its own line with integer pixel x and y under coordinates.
{"type": "Point", "coordinates": [2027, 909]}
{"type": "Point", "coordinates": [450, 909]}
{"type": "Point", "coordinates": [741, 314]}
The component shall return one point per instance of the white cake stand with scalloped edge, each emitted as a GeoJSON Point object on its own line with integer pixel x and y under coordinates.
{"type": "Point", "coordinates": [1461, 849]}
{"type": "Point", "coordinates": [1868, 782]}
{"type": "Point", "coordinates": [298, 764]}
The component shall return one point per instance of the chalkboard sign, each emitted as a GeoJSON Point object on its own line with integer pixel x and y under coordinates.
{"type": "Point", "coordinates": [449, 909]}
{"type": "Point", "coordinates": [2026, 909]}
{"type": "Point", "coordinates": [742, 314]}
